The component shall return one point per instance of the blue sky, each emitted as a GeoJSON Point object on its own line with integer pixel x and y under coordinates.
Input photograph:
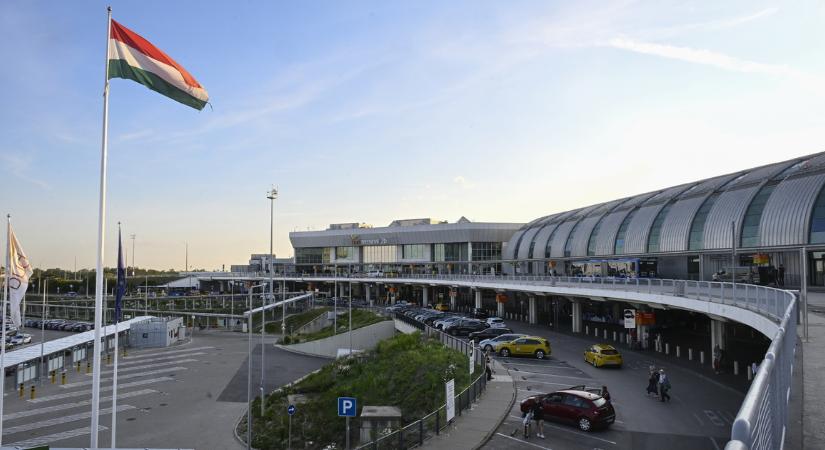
{"type": "Point", "coordinates": [374, 111]}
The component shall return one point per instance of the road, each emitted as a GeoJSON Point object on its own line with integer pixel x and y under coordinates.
{"type": "Point", "coordinates": [187, 396]}
{"type": "Point", "coordinates": [698, 417]}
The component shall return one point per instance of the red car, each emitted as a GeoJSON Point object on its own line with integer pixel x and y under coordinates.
{"type": "Point", "coordinates": [584, 409]}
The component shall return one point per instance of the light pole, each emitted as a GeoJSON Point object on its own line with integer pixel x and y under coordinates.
{"type": "Point", "coordinates": [249, 371]}
{"type": "Point", "coordinates": [271, 195]}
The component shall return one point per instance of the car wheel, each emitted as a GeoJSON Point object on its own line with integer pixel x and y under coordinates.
{"type": "Point", "coordinates": [540, 354]}
{"type": "Point", "coordinates": [584, 424]}
{"type": "Point", "coordinates": [504, 352]}
{"type": "Point", "coordinates": [488, 348]}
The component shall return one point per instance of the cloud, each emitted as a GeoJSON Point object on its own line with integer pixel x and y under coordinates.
{"type": "Point", "coordinates": [719, 60]}
{"type": "Point", "coordinates": [463, 182]}
{"type": "Point", "coordinates": [19, 167]}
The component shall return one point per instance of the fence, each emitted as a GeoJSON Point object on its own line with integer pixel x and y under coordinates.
{"type": "Point", "coordinates": [416, 433]}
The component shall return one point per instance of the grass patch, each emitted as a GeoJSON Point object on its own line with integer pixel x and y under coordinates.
{"type": "Point", "coordinates": [360, 318]}
{"type": "Point", "coordinates": [296, 321]}
{"type": "Point", "coordinates": [406, 371]}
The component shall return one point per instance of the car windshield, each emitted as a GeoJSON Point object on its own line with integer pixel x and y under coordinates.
{"type": "Point", "coordinates": [610, 352]}
{"type": "Point", "coordinates": [599, 402]}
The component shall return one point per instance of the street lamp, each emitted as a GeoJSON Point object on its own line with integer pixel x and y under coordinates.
{"type": "Point", "coordinates": [249, 371]}
{"type": "Point", "coordinates": [271, 195]}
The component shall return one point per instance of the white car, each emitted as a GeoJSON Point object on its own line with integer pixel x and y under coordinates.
{"type": "Point", "coordinates": [375, 274]}
{"type": "Point", "coordinates": [496, 322]}
{"type": "Point", "coordinates": [491, 345]}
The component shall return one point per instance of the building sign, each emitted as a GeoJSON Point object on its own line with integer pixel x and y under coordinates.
{"type": "Point", "coordinates": [356, 240]}
{"type": "Point", "coordinates": [630, 318]}
{"type": "Point", "coordinates": [450, 386]}
{"type": "Point", "coordinates": [645, 318]}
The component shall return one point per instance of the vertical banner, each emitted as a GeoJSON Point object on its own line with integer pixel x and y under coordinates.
{"type": "Point", "coordinates": [450, 386]}
{"type": "Point", "coordinates": [473, 360]}
{"type": "Point", "coordinates": [629, 318]}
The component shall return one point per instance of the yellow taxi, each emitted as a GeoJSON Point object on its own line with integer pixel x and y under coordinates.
{"type": "Point", "coordinates": [603, 355]}
{"type": "Point", "coordinates": [526, 346]}
{"type": "Point", "coordinates": [442, 307]}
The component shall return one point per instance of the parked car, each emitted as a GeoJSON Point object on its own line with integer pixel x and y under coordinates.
{"type": "Point", "coordinates": [479, 313]}
{"type": "Point", "coordinates": [491, 345]}
{"type": "Point", "coordinates": [496, 322]}
{"type": "Point", "coordinates": [603, 355]}
{"type": "Point", "coordinates": [375, 274]}
{"type": "Point", "coordinates": [581, 408]}
{"type": "Point", "coordinates": [16, 340]}
{"type": "Point", "coordinates": [465, 326]}
{"type": "Point", "coordinates": [27, 338]}
{"type": "Point", "coordinates": [442, 307]}
{"type": "Point", "coordinates": [526, 346]}
{"type": "Point", "coordinates": [439, 324]}
{"type": "Point", "coordinates": [488, 333]}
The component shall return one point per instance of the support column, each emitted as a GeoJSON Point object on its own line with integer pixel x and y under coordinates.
{"type": "Point", "coordinates": [453, 293]}
{"type": "Point", "coordinates": [717, 334]}
{"type": "Point", "coordinates": [367, 292]}
{"type": "Point", "coordinates": [532, 310]}
{"type": "Point", "coordinates": [577, 314]}
{"type": "Point", "coordinates": [500, 309]}
{"type": "Point", "coordinates": [478, 298]}
{"type": "Point", "coordinates": [425, 296]}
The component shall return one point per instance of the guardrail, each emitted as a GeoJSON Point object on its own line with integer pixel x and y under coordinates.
{"type": "Point", "coordinates": [417, 432]}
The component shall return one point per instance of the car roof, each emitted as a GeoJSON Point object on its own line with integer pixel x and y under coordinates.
{"type": "Point", "coordinates": [534, 337]}
{"type": "Point", "coordinates": [604, 347]}
{"type": "Point", "coordinates": [583, 394]}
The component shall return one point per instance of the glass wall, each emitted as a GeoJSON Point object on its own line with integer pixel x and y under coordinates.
{"type": "Point", "coordinates": [349, 254]}
{"type": "Point", "coordinates": [312, 255]}
{"type": "Point", "coordinates": [818, 220]}
{"type": "Point", "coordinates": [697, 228]}
{"type": "Point", "coordinates": [487, 251]}
{"type": "Point", "coordinates": [379, 254]}
{"type": "Point", "coordinates": [456, 251]}
{"type": "Point", "coordinates": [414, 251]}
{"type": "Point", "coordinates": [656, 229]}
{"type": "Point", "coordinates": [568, 245]}
{"type": "Point", "coordinates": [549, 246]}
{"type": "Point", "coordinates": [750, 226]}
{"type": "Point", "coordinates": [621, 233]}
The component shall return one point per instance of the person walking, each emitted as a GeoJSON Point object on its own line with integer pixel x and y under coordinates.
{"type": "Point", "coordinates": [538, 416]}
{"type": "Point", "coordinates": [781, 275]}
{"type": "Point", "coordinates": [664, 386]}
{"type": "Point", "coordinates": [717, 358]}
{"type": "Point", "coordinates": [653, 382]}
{"type": "Point", "coordinates": [605, 394]}
{"type": "Point", "coordinates": [525, 422]}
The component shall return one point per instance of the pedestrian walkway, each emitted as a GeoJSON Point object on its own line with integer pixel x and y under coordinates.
{"type": "Point", "coordinates": [813, 370]}
{"type": "Point", "coordinates": [476, 425]}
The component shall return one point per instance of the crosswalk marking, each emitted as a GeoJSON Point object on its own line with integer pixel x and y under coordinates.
{"type": "Point", "coordinates": [124, 377]}
{"type": "Point", "coordinates": [125, 362]}
{"type": "Point", "coordinates": [49, 398]}
{"type": "Point", "coordinates": [50, 409]}
{"type": "Point", "coordinates": [147, 366]}
{"type": "Point", "coordinates": [43, 440]}
{"type": "Point", "coordinates": [170, 352]}
{"type": "Point", "coordinates": [60, 420]}
{"type": "Point", "coordinates": [714, 418]}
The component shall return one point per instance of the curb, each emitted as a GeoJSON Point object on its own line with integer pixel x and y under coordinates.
{"type": "Point", "coordinates": [492, 432]}
{"type": "Point", "coordinates": [235, 431]}
{"type": "Point", "coordinates": [298, 352]}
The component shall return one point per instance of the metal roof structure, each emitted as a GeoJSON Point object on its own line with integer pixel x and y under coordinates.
{"type": "Point", "coordinates": [668, 214]}
{"type": "Point", "coordinates": [32, 352]}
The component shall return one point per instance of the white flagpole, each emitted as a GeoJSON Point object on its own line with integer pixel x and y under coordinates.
{"type": "Point", "coordinates": [3, 342]}
{"type": "Point", "coordinates": [101, 225]}
{"type": "Point", "coordinates": [114, 370]}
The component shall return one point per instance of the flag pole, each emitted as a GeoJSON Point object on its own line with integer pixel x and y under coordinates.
{"type": "Point", "coordinates": [3, 342]}
{"type": "Point", "coordinates": [117, 319]}
{"type": "Point", "coordinates": [101, 224]}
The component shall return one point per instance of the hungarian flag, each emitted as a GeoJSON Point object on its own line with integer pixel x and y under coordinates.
{"type": "Point", "coordinates": [134, 58]}
{"type": "Point", "coordinates": [19, 274]}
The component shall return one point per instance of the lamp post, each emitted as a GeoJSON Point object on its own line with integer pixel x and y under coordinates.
{"type": "Point", "coordinates": [249, 372]}
{"type": "Point", "coordinates": [271, 195]}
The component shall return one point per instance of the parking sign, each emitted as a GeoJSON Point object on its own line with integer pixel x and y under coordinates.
{"type": "Point", "coordinates": [346, 406]}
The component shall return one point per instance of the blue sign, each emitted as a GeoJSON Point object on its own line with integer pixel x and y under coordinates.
{"type": "Point", "coordinates": [346, 406]}
{"type": "Point", "coordinates": [290, 410]}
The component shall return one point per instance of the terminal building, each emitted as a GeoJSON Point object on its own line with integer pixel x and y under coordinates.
{"type": "Point", "coordinates": [750, 224]}
{"type": "Point", "coordinates": [410, 246]}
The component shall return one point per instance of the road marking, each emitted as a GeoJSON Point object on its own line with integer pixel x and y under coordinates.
{"type": "Point", "coordinates": [555, 366]}
{"type": "Point", "coordinates": [124, 377]}
{"type": "Point", "coordinates": [701, 424]}
{"type": "Point", "coordinates": [49, 398]}
{"type": "Point", "coordinates": [523, 442]}
{"type": "Point", "coordinates": [61, 420]}
{"type": "Point", "coordinates": [714, 419]}
{"type": "Point", "coordinates": [148, 366]}
{"type": "Point", "coordinates": [49, 409]}
{"type": "Point", "coordinates": [42, 440]}
{"type": "Point", "coordinates": [128, 361]}
{"type": "Point", "coordinates": [546, 424]}
{"type": "Point", "coordinates": [551, 375]}
{"type": "Point", "coordinates": [170, 352]}
{"type": "Point", "coordinates": [715, 445]}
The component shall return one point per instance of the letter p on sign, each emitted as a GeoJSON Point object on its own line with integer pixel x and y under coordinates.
{"type": "Point", "coordinates": [346, 406]}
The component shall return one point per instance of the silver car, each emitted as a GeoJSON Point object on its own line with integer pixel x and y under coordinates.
{"type": "Point", "coordinates": [491, 345]}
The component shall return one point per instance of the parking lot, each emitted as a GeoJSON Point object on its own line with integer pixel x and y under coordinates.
{"type": "Point", "coordinates": [698, 417]}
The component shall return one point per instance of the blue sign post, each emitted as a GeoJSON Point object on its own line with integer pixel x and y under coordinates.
{"type": "Point", "coordinates": [291, 411]}
{"type": "Point", "coordinates": [347, 406]}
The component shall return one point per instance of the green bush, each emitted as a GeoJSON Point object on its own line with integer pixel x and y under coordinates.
{"type": "Point", "coordinates": [405, 371]}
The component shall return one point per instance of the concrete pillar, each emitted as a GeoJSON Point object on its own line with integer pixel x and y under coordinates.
{"type": "Point", "coordinates": [717, 334]}
{"type": "Point", "coordinates": [453, 293]}
{"type": "Point", "coordinates": [500, 310]}
{"type": "Point", "coordinates": [425, 296]}
{"type": "Point", "coordinates": [367, 291]}
{"type": "Point", "coordinates": [577, 315]}
{"type": "Point", "coordinates": [478, 298]}
{"type": "Point", "coordinates": [532, 310]}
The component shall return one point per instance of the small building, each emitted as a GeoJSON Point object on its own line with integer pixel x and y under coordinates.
{"type": "Point", "coordinates": [376, 420]}
{"type": "Point", "coordinates": [157, 332]}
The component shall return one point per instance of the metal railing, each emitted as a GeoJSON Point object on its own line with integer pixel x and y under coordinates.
{"type": "Point", "coordinates": [417, 432]}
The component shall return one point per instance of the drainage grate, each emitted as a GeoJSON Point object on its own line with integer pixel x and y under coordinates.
{"type": "Point", "coordinates": [130, 419]}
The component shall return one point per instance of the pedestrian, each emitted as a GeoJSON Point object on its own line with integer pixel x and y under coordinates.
{"type": "Point", "coordinates": [717, 358]}
{"type": "Point", "coordinates": [664, 386]}
{"type": "Point", "coordinates": [653, 382]}
{"type": "Point", "coordinates": [605, 394]}
{"type": "Point", "coordinates": [781, 273]}
{"type": "Point", "coordinates": [525, 422]}
{"type": "Point", "coordinates": [538, 416]}
{"type": "Point", "coordinates": [487, 367]}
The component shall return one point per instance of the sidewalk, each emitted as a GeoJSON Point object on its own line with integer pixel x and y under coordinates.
{"type": "Point", "coordinates": [477, 425]}
{"type": "Point", "coordinates": [813, 371]}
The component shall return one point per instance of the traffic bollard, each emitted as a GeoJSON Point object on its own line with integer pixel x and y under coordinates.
{"type": "Point", "coordinates": [88, 367]}
{"type": "Point", "coordinates": [690, 354]}
{"type": "Point", "coordinates": [702, 357]}
{"type": "Point", "coordinates": [614, 336]}
{"type": "Point", "coordinates": [63, 378]}
{"type": "Point", "coordinates": [750, 374]}
{"type": "Point", "coordinates": [736, 367]}
{"type": "Point", "coordinates": [605, 335]}
{"type": "Point", "coordinates": [124, 352]}
{"type": "Point", "coordinates": [53, 376]}
{"type": "Point", "coordinates": [22, 390]}
{"type": "Point", "coordinates": [108, 358]}
{"type": "Point", "coordinates": [667, 349]}
{"type": "Point", "coordinates": [78, 367]}
{"type": "Point", "coordinates": [678, 352]}
{"type": "Point", "coordinates": [32, 395]}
